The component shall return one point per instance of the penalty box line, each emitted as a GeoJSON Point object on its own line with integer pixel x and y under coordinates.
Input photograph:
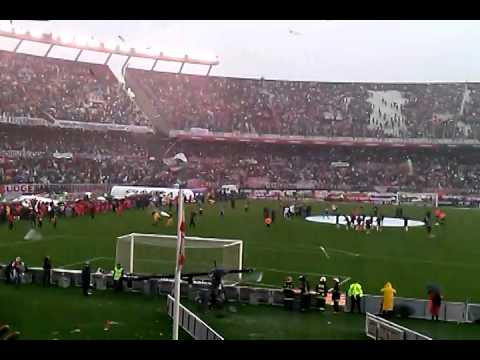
{"type": "Point", "coordinates": [345, 277]}
{"type": "Point", "coordinates": [87, 260]}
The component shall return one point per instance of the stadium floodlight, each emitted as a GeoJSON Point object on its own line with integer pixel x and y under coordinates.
{"type": "Point", "coordinates": [6, 27]}
{"type": "Point", "coordinates": [20, 31]}
{"type": "Point", "coordinates": [124, 47]}
{"type": "Point", "coordinates": [93, 42]}
{"type": "Point", "coordinates": [203, 56]}
{"type": "Point", "coordinates": [110, 45]}
{"type": "Point", "coordinates": [176, 54]}
{"type": "Point", "coordinates": [80, 40]}
{"type": "Point", "coordinates": [37, 33]}
{"type": "Point", "coordinates": [63, 38]}
{"type": "Point", "coordinates": [150, 51]}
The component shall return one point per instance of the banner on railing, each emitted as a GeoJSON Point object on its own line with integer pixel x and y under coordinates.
{"type": "Point", "coordinates": [24, 189]}
{"type": "Point", "coordinates": [101, 126]}
{"type": "Point", "coordinates": [23, 120]}
{"type": "Point", "coordinates": [67, 155]}
{"type": "Point", "coordinates": [322, 140]}
{"type": "Point", "coordinates": [18, 154]}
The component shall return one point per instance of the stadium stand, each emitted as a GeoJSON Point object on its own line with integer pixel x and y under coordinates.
{"type": "Point", "coordinates": [224, 104]}
{"type": "Point", "coordinates": [49, 88]}
{"type": "Point", "coordinates": [51, 155]}
{"type": "Point", "coordinates": [52, 89]}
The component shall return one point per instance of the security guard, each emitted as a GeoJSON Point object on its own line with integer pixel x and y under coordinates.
{"type": "Point", "coordinates": [321, 291]}
{"type": "Point", "coordinates": [288, 293]}
{"type": "Point", "coordinates": [117, 277]}
{"type": "Point", "coordinates": [355, 292]}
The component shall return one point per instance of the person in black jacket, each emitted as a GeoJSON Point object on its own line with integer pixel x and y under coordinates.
{"type": "Point", "coordinates": [86, 279]}
{"type": "Point", "coordinates": [336, 295]}
{"type": "Point", "coordinates": [47, 271]}
{"type": "Point", "coordinates": [305, 293]}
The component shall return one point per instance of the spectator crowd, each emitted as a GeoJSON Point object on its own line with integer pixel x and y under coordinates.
{"type": "Point", "coordinates": [137, 159]}
{"type": "Point", "coordinates": [311, 108]}
{"type": "Point", "coordinates": [43, 87]}
{"type": "Point", "coordinates": [50, 88]}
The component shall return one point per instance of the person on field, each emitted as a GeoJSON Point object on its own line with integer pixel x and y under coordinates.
{"type": "Point", "coordinates": [193, 214]}
{"type": "Point", "coordinates": [434, 303]}
{"type": "Point", "coordinates": [379, 221]}
{"type": "Point", "coordinates": [355, 292]}
{"type": "Point", "coordinates": [347, 221]}
{"type": "Point", "coordinates": [321, 291]}
{"type": "Point", "coordinates": [86, 279]}
{"type": "Point", "coordinates": [54, 220]}
{"type": "Point", "coordinates": [428, 225]}
{"type": "Point", "coordinates": [388, 299]}
{"type": "Point", "coordinates": [268, 222]}
{"type": "Point", "coordinates": [47, 271]}
{"type": "Point", "coordinates": [288, 293]}
{"type": "Point", "coordinates": [92, 210]}
{"type": "Point", "coordinates": [156, 217]}
{"type": "Point", "coordinates": [336, 295]}
{"type": "Point", "coordinates": [117, 274]}
{"type": "Point", "coordinates": [19, 269]}
{"type": "Point", "coordinates": [11, 220]}
{"type": "Point", "coordinates": [304, 293]}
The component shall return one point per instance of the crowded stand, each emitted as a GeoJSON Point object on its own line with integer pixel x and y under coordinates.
{"type": "Point", "coordinates": [43, 87]}
{"type": "Point", "coordinates": [221, 104]}
{"type": "Point", "coordinates": [54, 156]}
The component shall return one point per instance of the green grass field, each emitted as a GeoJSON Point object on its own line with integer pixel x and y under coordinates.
{"type": "Point", "coordinates": [409, 260]}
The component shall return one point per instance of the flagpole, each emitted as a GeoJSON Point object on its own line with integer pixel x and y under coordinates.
{"type": "Point", "coordinates": [178, 266]}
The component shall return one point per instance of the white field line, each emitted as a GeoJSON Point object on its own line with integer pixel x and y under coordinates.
{"type": "Point", "coordinates": [299, 273]}
{"type": "Point", "coordinates": [344, 252]}
{"type": "Point", "coordinates": [84, 261]}
{"type": "Point", "coordinates": [28, 242]}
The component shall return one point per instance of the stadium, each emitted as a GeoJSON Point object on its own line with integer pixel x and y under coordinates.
{"type": "Point", "coordinates": [158, 205]}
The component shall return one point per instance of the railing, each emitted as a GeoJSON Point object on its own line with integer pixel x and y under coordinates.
{"type": "Point", "coordinates": [378, 328]}
{"type": "Point", "coordinates": [461, 312]}
{"type": "Point", "coordinates": [191, 323]}
{"type": "Point", "coordinates": [321, 140]}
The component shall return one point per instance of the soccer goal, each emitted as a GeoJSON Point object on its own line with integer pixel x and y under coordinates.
{"type": "Point", "coordinates": [156, 254]}
{"type": "Point", "coordinates": [427, 199]}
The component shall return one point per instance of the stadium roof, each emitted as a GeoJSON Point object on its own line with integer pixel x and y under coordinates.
{"type": "Point", "coordinates": [109, 47]}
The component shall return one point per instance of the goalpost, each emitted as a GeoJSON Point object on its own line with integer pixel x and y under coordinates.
{"type": "Point", "coordinates": [429, 199]}
{"type": "Point", "coordinates": [156, 254]}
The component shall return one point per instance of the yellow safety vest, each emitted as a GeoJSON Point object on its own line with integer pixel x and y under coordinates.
{"type": "Point", "coordinates": [117, 273]}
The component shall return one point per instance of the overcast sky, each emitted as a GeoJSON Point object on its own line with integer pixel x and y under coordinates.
{"type": "Point", "coordinates": [376, 51]}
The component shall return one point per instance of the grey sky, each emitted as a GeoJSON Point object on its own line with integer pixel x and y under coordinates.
{"type": "Point", "coordinates": [377, 51]}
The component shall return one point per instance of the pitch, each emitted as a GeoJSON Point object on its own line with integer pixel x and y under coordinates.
{"type": "Point", "coordinates": [410, 260]}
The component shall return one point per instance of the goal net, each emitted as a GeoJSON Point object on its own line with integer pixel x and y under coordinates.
{"type": "Point", "coordinates": [156, 254]}
{"type": "Point", "coordinates": [422, 199]}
